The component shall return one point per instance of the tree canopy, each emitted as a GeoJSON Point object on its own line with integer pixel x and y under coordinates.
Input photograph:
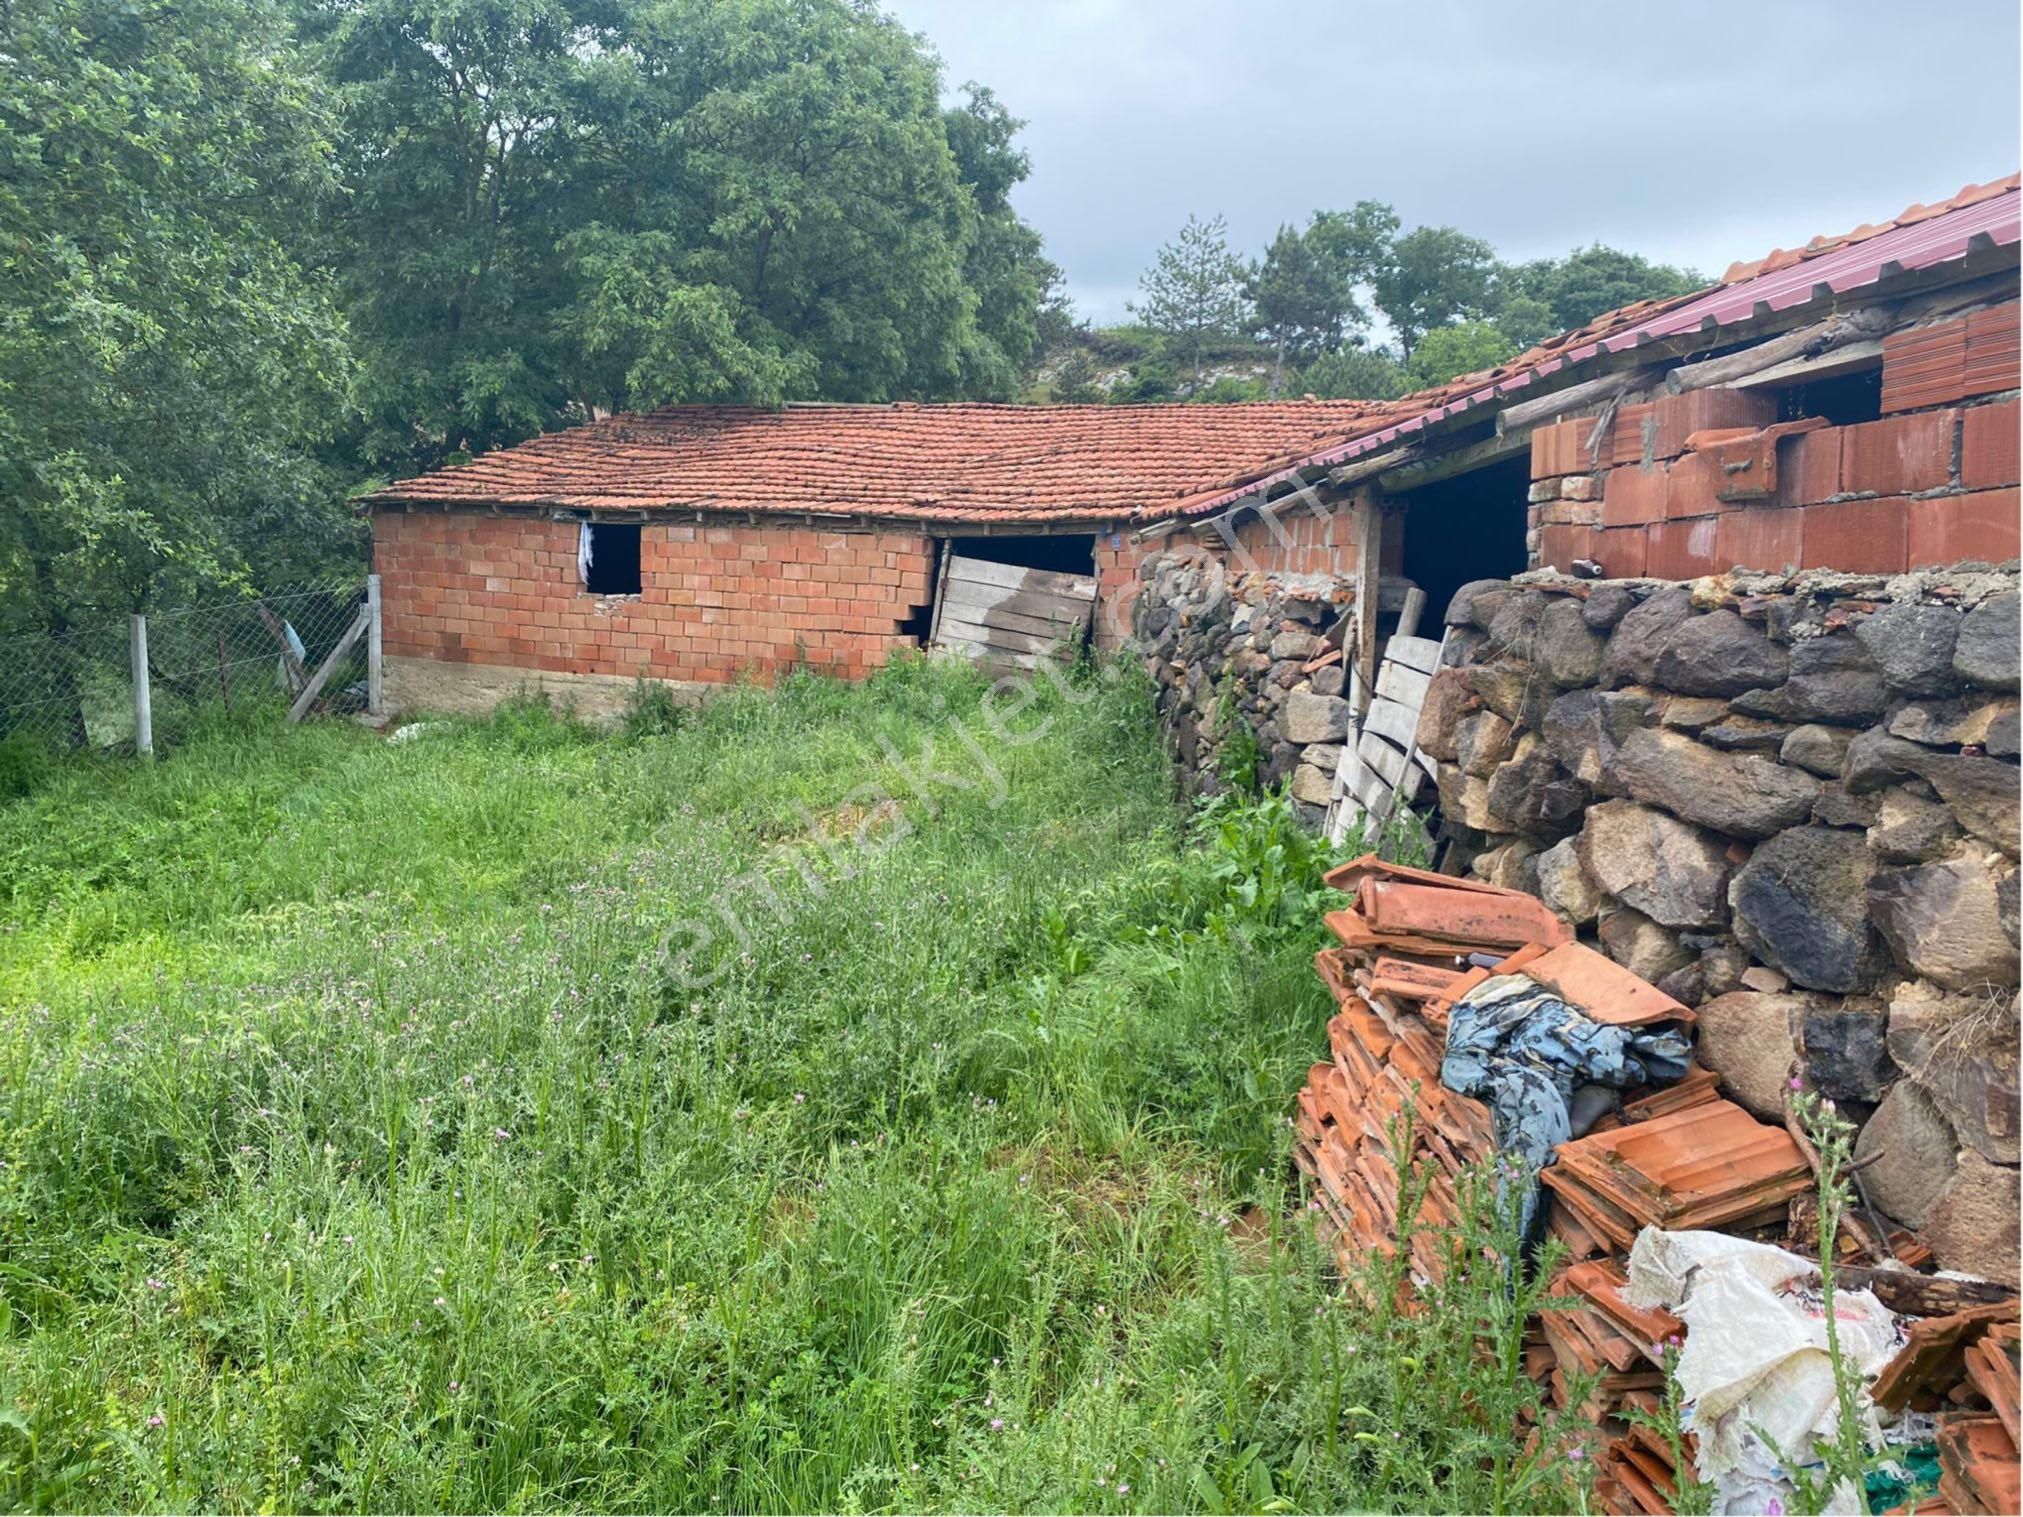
{"type": "Point", "coordinates": [167, 365]}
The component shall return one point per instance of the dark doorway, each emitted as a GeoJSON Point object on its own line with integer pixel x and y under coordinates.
{"type": "Point", "coordinates": [1468, 527]}
{"type": "Point", "coordinates": [1064, 552]}
{"type": "Point", "coordinates": [614, 560]}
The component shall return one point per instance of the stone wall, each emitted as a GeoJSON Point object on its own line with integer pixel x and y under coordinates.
{"type": "Point", "coordinates": [1245, 657]}
{"type": "Point", "coordinates": [1791, 803]}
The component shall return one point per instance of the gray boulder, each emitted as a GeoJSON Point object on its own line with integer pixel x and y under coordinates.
{"type": "Point", "coordinates": [1973, 1224]}
{"type": "Point", "coordinates": [1514, 628]}
{"type": "Point", "coordinates": [1720, 654]}
{"type": "Point", "coordinates": [1982, 794]}
{"type": "Point", "coordinates": [1846, 1050]}
{"type": "Point", "coordinates": [1801, 906]}
{"type": "Point", "coordinates": [1747, 1039]}
{"type": "Point", "coordinates": [1313, 784]}
{"type": "Point", "coordinates": [1952, 724]}
{"type": "Point", "coordinates": [1482, 742]}
{"type": "Point", "coordinates": [1987, 651]}
{"type": "Point", "coordinates": [1531, 794]}
{"type": "Point", "coordinates": [1961, 1049]}
{"type": "Point", "coordinates": [1833, 679]}
{"type": "Point", "coordinates": [1461, 609]}
{"type": "Point", "coordinates": [1910, 1153]}
{"type": "Point", "coordinates": [1640, 945]}
{"type": "Point", "coordinates": [1565, 885]}
{"type": "Point", "coordinates": [1742, 795]}
{"type": "Point", "coordinates": [1640, 637]}
{"type": "Point", "coordinates": [1584, 728]}
{"type": "Point", "coordinates": [1909, 829]}
{"type": "Point", "coordinates": [1449, 699]}
{"type": "Point", "coordinates": [1817, 749]}
{"type": "Point", "coordinates": [1311, 718]}
{"type": "Point", "coordinates": [1674, 873]}
{"type": "Point", "coordinates": [1566, 649]}
{"type": "Point", "coordinates": [1295, 642]}
{"type": "Point", "coordinates": [1606, 605]}
{"type": "Point", "coordinates": [1948, 921]}
{"type": "Point", "coordinates": [1912, 645]}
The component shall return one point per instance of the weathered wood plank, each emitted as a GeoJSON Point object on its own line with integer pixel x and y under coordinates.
{"type": "Point", "coordinates": [1390, 764]}
{"type": "Point", "coordinates": [978, 601]}
{"type": "Point", "coordinates": [1405, 685]}
{"type": "Point", "coordinates": [977, 571]}
{"type": "Point", "coordinates": [1017, 621]}
{"type": "Point", "coordinates": [1420, 653]}
{"type": "Point", "coordinates": [1000, 638]}
{"type": "Point", "coordinates": [1394, 720]}
{"type": "Point", "coordinates": [321, 677]}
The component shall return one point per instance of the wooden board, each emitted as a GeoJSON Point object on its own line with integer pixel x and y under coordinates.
{"type": "Point", "coordinates": [1007, 616]}
{"type": "Point", "coordinates": [1389, 762]}
{"type": "Point", "coordinates": [1392, 719]}
{"type": "Point", "coordinates": [978, 571]}
{"type": "Point", "coordinates": [1406, 686]}
{"type": "Point", "coordinates": [1419, 653]}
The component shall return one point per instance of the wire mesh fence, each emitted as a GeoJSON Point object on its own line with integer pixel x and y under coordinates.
{"type": "Point", "coordinates": [74, 690]}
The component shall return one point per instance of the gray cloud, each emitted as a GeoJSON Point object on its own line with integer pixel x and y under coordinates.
{"type": "Point", "coordinates": [1695, 133]}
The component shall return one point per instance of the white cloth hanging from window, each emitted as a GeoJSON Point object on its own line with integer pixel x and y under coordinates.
{"type": "Point", "coordinates": [584, 554]}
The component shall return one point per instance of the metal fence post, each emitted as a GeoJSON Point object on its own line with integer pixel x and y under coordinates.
{"type": "Point", "coordinates": [143, 707]}
{"type": "Point", "coordinates": [375, 674]}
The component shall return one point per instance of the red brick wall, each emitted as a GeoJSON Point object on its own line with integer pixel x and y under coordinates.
{"type": "Point", "coordinates": [715, 601]}
{"type": "Point", "coordinates": [1917, 489]}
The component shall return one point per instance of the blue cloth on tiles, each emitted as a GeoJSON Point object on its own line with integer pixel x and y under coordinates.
{"type": "Point", "coordinates": [1533, 1058]}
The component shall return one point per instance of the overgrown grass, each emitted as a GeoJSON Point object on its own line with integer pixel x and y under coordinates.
{"type": "Point", "coordinates": [841, 1099]}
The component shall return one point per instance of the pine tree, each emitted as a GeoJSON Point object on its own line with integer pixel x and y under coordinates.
{"type": "Point", "coordinates": [1193, 292]}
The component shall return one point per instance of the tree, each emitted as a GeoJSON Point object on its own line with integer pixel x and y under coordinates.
{"type": "Point", "coordinates": [1357, 242]}
{"type": "Point", "coordinates": [1592, 280]}
{"type": "Point", "coordinates": [1299, 301]}
{"type": "Point", "coordinates": [167, 366]}
{"type": "Point", "coordinates": [1433, 276]}
{"type": "Point", "coordinates": [555, 205]}
{"type": "Point", "coordinates": [1525, 321]}
{"type": "Point", "coordinates": [1463, 347]}
{"type": "Point", "coordinates": [1194, 290]}
{"type": "Point", "coordinates": [1353, 374]}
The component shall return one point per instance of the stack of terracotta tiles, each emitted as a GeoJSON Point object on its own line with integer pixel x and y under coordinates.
{"type": "Point", "coordinates": [1676, 1157]}
{"type": "Point", "coordinates": [1962, 1367]}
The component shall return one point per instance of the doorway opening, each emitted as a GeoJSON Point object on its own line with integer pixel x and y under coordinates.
{"type": "Point", "coordinates": [1466, 528]}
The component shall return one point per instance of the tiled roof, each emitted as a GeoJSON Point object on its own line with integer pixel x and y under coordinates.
{"type": "Point", "coordinates": [937, 463]}
{"type": "Point", "coordinates": [992, 463]}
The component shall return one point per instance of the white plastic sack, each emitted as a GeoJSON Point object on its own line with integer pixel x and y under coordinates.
{"type": "Point", "coordinates": [1755, 1354]}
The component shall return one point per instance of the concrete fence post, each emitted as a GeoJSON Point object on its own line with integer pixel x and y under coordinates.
{"type": "Point", "coordinates": [143, 706]}
{"type": "Point", "coordinates": [375, 673]}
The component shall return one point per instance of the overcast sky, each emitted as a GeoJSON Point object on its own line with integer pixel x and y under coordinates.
{"type": "Point", "coordinates": [1694, 133]}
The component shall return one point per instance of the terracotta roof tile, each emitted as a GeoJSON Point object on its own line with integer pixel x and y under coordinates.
{"type": "Point", "coordinates": [1782, 258]}
{"type": "Point", "coordinates": [944, 463]}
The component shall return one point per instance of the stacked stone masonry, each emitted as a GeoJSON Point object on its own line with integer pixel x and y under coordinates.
{"type": "Point", "coordinates": [1686, 485]}
{"type": "Point", "coordinates": [1790, 802]}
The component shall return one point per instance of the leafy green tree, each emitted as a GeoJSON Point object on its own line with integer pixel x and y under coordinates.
{"type": "Point", "coordinates": [1525, 321]}
{"type": "Point", "coordinates": [1353, 374]}
{"type": "Point", "coordinates": [1592, 280]}
{"type": "Point", "coordinates": [1193, 293]}
{"type": "Point", "coordinates": [1357, 242]}
{"type": "Point", "coordinates": [555, 205]}
{"type": "Point", "coordinates": [166, 364]}
{"type": "Point", "coordinates": [1074, 379]}
{"type": "Point", "coordinates": [1462, 347]}
{"type": "Point", "coordinates": [1299, 299]}
{"type": "Point", "coordinates": [1433, 276]}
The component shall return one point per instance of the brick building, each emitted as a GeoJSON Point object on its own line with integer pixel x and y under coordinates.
{"type": "Point", "coordinates": [1851, 404]}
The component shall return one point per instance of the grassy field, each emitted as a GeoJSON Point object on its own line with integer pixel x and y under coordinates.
{"type": "Point", "coordinates": [844, 1099]}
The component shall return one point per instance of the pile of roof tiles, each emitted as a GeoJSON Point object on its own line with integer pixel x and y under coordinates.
{"type": "Point", "coordinates": [1676, 1156]}
{"type": "Point", "coordinates": [1963, 1368]}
